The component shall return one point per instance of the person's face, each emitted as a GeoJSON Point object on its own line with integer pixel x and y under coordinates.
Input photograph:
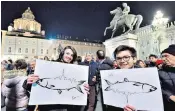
{"type": "Point", "coordinates": [142, 64]}
{"type": "Point", "coordinates": [88, 57]}
{"type": "Point", "coordinates": [168, 59]}
{"type": "Point", "coordinates": [3, 62]}
{"type": "Point", "coordinates": [115, 63]}
{"type": "Point", "coordinates": [152, 59]}
{"type": "Point", "coordinates": [68, 56]}
{"type": "Point", "coordinates": [125, 60]}
{"type": "Point", "coordinates": [32, 65]}
{"type": "Point", "coordinates": [101, 53]}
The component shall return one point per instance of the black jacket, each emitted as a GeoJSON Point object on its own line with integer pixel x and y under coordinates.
{"type": "Point", "coordinates": [167, 79]}
{"type": "Point", "coordinates": [106, 64]}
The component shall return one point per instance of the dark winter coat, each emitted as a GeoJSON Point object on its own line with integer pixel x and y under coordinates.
{"type": "Point", "coordinates": [92, 70]}
{"type": "Point", "coordinates": [106, 64]}
{"type": "Point", "coordinates": [167, 79]}
{"type": "Point", "coordinates": [17, 99]}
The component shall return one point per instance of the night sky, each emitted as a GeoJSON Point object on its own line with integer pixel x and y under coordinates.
{"type": "Point", "coordinates": [82, 19]}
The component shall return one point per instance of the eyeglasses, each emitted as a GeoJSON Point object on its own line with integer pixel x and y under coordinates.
{"type": "Point", "coordinates": [124, 58]}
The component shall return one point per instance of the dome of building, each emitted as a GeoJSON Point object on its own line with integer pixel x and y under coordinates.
{"type": "Point", "coordinates": [28, 14]}
{"type": "Point", "coordinates": [27, 23]}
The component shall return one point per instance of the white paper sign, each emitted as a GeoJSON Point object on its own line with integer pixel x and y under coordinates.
{"type": "Point", "coordinates": [138, 87]}
{"type": "Point", "coordinates": [59, 83]}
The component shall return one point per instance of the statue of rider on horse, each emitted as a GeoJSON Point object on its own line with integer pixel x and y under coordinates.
{"type": "Point", "coordinates": [123, 19]}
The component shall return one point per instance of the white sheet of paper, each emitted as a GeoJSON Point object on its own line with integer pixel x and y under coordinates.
{"type": "Point", "coordinates": [60, 85]}
{"type": "Point", "coordinates": [137, 84]}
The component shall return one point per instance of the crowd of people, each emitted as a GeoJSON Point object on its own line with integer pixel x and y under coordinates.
{"type": "Point", "coordinates": [15, 91]}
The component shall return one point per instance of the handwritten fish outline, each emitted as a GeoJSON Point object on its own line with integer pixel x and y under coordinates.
{"type": "Point", "coordinates": [77, 86]}
{"type": "Point", "coordinates": [135, 83]}
{"type": "Point", "coordinates": [108, 88]}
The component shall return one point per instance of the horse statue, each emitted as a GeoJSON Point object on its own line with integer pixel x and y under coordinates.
{"type": "Point", "coordinates": [121, 20]}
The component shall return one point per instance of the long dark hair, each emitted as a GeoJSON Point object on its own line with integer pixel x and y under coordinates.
{"type": "Point", "coordinates": [60, 58]}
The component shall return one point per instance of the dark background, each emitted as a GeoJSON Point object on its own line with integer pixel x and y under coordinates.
{"type": "Point", "coordinates": [80, 19]}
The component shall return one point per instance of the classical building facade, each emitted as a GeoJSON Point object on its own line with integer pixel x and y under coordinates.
{"type": "Point", "coordinates": [25, 39]}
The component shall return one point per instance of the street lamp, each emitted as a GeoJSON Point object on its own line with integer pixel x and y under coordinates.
{"type": "Point", "coordinates": [159, 27]}
{"type": "Point", "coordinates": [159, 20]}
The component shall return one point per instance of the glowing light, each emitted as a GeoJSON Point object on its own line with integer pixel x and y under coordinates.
{"type": "Point", "coordinates": [159, 19]}
{"type": "Point", "coordinates": [50, 41]}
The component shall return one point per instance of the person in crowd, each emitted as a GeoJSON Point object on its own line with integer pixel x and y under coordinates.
{"type": "Point", "coordinates": [141, 64]}
{"type": "Point", "coordinates": [46, 58]}
{"type": "Point", "coordinates": [16, 98]}
{"type": "Point", "coordinates": [68, 55]}
{"type": "Point", "coordinates": [4, 64]}
{"type": "Point", "coordinates": [31, 67]}
{"type": "Point", "coordinates": [125, 57]}
{"type": "Point", "coordinates": [115, 66]}
{"type": "Point", "coordinates": [10, 65]}
{"type": "Point", "coordinates": [92, 81]}
{"type": "Point", "coordinates": [159, 64]}
{"type": "Point", "coordinates": [167, 78]}
{"type": "Point", "coordinates": [104, 63]}
{"type": "Point", "coordinates": [152, 60]}
{"type": "Point", "coordinates": [93, 58]}
{"type": "Point", "coordinates": [78, 60]}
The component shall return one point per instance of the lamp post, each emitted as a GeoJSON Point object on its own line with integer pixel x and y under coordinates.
{"type": "Point", "coordinates": [159, 21]}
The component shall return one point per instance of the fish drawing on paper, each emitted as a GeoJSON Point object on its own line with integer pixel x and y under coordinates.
{"type": "Point", "coordinates": [69, 83]}
{"type": "Point", "coordinates": [127, 87]}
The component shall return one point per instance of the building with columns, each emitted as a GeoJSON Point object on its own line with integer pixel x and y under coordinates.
{"type": "Point", "coordinates": [25, 39]}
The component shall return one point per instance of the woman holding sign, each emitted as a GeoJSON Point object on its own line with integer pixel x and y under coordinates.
{"type": "Point", "coordinates": [68, 55]}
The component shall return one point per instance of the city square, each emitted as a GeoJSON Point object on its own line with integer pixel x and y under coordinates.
{"type": "Point", "coordinates": [102, 35]}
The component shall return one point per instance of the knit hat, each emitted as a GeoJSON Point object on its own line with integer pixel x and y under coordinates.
{"type": "Point", "coordinates": [170, 50]}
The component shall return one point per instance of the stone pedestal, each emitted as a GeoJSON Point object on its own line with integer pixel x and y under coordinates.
{"type": "Point", "coordinates": [113, 43]}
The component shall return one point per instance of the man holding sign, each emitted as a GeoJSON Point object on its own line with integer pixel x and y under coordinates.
{"type": "Point", "coordinates": [126, 83]}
